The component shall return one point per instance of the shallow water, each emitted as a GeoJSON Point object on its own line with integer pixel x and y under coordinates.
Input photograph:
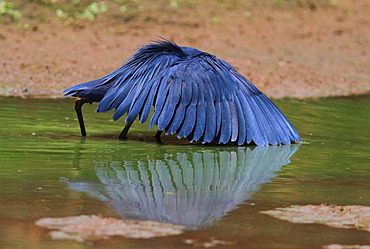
{"type": "Point", "coordinates": [47, 170]}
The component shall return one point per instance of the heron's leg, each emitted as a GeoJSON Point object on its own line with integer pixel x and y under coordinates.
{"type": "Point", "coordinates": [79, 103]}
{"type": "Point", "coordinates": [123, 134]}
{"type": "Point", "coordinates": [158, 136]}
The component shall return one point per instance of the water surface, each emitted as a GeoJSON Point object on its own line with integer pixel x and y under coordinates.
{"type": "Point", "coordinates": [47, 170]}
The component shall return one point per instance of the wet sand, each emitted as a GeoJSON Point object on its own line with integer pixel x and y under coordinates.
{"type": "Point", "coordinates": [299, 52]}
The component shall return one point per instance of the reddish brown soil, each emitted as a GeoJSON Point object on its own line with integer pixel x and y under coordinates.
{"type": "Point", "coordinates": [298, 52]}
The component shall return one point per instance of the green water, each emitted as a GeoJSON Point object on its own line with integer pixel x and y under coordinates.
{"type": "Point", "coordinates": [46, 170]}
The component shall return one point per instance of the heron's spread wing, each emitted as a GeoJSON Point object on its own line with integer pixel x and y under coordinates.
{"type": "Point", "coordinates": [137, 84]}
{"type": "Point", "coordinates": [134, 70]}
{"type": "Point", "coordinates": [199, 97]}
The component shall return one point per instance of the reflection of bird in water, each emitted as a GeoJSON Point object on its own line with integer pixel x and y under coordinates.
{"type": "Point", "coordinates": [190, 189]}
{"type": "Point", "coordinates": [194, 94]}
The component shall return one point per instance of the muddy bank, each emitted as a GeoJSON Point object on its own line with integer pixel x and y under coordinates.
{"type": "Point", "coordinates": [286, 53]}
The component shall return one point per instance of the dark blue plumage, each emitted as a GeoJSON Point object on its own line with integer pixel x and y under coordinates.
{"type": "Point", "coordinates": [194, 94]}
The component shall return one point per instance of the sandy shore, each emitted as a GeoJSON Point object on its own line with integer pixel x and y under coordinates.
{"type": "Point", "coordinates": [285, 53]}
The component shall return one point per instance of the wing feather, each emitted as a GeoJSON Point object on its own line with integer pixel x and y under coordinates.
{"type": "Point", "coordinates": [242, 127]}
{"type": "Point", "coordinates": [218, 119]}
{"type": "Point", "coordinates": [123, 102]}
{"type": "Point", "coordinates": [200, 122]}
{"type": "Point", "coordinates": [177, 119]}
{"type": "Point", "coordinates": [149, 101]}
{"type": "Point", "coordinates": [225, 130]}
{"type": "Point", "coordinates": [252, 126]}
{"type": "Point", "coordinates": [191, 98]}
{"type": "Point", "coordinates": [211, 118]}
{"type": "Point", "coordinates": [234, 121]}
{"type": "Point", "coordinates": [201, 114]}
{"type": "Point", "coordinates": [265, 120]}
{"type": "Point", "coordinates": [188, 122]}
{"type": "Point", "coordinates": [138, 102]}
{"type": "Point", "coordinates": [170, 106]}
{"type": "Point", "coordinates": [160, 100]}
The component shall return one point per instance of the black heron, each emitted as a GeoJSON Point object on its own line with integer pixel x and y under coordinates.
{"type": "Point", "coordinates": [194, 94]}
